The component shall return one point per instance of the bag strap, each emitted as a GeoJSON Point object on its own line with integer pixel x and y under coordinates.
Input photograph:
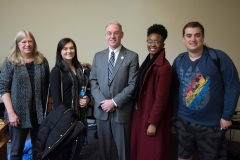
{"type": "Point", "coordinates": [216, 60]}
{"type": "Point", "coordinates": [61, 86]}
{"type": "Point", "coordinates": [179, 57]}
{"type": "Point", "coordinates": [46, 108]}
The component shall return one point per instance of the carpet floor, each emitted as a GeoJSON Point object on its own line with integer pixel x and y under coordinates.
{"type": "Point", "coordinates": [91, 152]}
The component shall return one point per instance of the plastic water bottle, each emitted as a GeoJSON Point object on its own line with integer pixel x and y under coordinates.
{"type": "Point", "coordinates": [82, 92]}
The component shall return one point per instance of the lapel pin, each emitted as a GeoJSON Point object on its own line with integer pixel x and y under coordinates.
{"type": "Point", "coordinates": [122, 57]}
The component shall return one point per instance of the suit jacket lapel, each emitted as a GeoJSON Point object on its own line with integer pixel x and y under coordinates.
{"type": "Point", "coordinates": [104, 61]}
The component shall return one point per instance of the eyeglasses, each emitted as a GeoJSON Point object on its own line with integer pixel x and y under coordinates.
{"type": "Point", "coordinates": [157, 43]}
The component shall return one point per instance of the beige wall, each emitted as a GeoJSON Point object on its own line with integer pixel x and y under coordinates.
{"type": "Point", "coordinates": [84, 21]}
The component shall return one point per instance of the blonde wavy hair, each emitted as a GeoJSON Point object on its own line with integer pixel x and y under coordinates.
{"type": "Point", "coordinates": [15, 56]}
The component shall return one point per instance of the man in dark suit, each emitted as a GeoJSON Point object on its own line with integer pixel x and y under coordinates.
{"type": "Point", "coordinates": [112, 79]}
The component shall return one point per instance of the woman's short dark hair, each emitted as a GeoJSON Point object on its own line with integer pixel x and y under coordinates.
{"type": "Point", "coordinates": [158, 29]}
{"type": "Point", "coordinates": [193, 25]}
{"type": "Point", "coordinates": [59, 60]}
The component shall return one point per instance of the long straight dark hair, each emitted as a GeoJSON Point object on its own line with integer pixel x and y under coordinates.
{"type": "Point", "coordinates": [60, 62]}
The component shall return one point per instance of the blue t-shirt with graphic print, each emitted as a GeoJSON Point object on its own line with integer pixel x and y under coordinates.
{"type": "Point", "coordinates": [203, 92]}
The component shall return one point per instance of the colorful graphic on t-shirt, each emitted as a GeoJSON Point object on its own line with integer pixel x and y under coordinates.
{"type": "Point", "coordinates": [196, 91]}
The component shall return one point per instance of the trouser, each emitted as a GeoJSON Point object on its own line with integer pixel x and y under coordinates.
{"type": "Point", "coordinates": [19, 136]}
{"type": "Point", "coordinates": [210, 140]}
{"type": "Point", "coordinates": [119, 132]}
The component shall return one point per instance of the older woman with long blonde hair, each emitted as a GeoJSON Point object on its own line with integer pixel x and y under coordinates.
{"type": "Point", "coordinates": [24, 86]}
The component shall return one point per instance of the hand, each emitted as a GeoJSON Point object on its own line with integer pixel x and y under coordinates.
{"type": "Point", "coordinates": [84, 101]}
{"type": "Point", "coordinates": [49, 108]}
{"type": "Point", "coordinates": [107, 105]}
{"type": "Point", "coordinates": [13, 119]}
{"type": "Point", "coordinates": [151, 131]}
{"type": "Point", "coordinates": [224, 124]}
{"type": "Point", "coordinates": [50, 105]}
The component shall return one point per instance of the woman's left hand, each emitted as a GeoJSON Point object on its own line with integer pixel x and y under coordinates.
{"type": "Point", "coordinates": [151, 131]}
{"type": "Point", "coordinates": [84, 101]}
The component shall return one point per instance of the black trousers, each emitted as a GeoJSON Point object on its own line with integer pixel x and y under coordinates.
{"type": "Point", "coordinates": [19, 136]}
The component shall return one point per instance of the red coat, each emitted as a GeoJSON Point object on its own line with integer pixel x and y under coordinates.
{"type": "Point", "coordinates": [154, 107]}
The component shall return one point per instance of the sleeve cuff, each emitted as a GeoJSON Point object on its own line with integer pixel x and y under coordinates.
{"type": "Point", "coordinates": [114, 103]}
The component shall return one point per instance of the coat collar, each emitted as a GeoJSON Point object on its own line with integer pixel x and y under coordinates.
{"type": "Point", "coordinates": [160, 59]}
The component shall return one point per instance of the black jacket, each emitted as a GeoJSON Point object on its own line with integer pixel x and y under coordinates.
{"type": "Point", "coordinates": [58, 134]}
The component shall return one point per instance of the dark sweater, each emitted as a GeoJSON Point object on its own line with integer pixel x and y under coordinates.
{"type": "Point", "coordinates": [205, 94]}
{"type": "Point", "coordinates": [55, 85]}
{"type": "Point", "coordinates": [30, 69]}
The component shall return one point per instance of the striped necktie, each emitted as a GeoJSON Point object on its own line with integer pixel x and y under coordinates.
{"type": "Point", "coordinates": [111, 66]}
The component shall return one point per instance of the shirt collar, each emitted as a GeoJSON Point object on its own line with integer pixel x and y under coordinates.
{"type": "Point", "coordinates": [117, 50]}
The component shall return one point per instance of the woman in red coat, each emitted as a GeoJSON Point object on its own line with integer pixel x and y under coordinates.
{"type": "Point", "coordinates": [152, 116]}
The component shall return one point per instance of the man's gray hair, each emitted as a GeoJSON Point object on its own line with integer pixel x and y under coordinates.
{"type": "Point", "coordinates": [114, 22]}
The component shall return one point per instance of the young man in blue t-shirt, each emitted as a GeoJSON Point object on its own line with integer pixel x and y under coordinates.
{"type": "Point", "coordinates": [206, 91]}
